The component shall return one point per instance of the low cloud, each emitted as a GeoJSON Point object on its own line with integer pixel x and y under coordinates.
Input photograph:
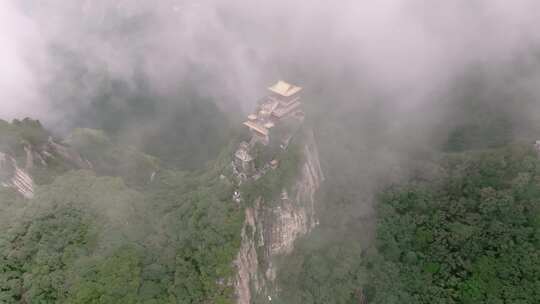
{"type": "Point", "coordinates": [409, 51]}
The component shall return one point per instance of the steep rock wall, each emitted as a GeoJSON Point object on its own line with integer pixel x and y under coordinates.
{"type": "Point", "coordinates": [14, 177]}
{"type": "Point", "coordinates": [20, 178]}
{"type": "Point", "coordinates": [272, 227]}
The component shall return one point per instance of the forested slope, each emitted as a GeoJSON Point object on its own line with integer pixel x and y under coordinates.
{"type": "Point", "coordinates": [89, 239]}
{"type": "Point", "coordinates": [471, 236]}
{"type": "Point", "coordinates": [127, 231]}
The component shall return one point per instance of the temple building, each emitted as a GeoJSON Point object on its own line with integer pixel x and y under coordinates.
{"type": "Point", "coordinates": [275, 121]}
{"type": "Point", "coordinates": [283, 102]}
{"type": "Point", "coordinates": [287, 98]}
{"type": "Point", "coordinates": [259, 130]}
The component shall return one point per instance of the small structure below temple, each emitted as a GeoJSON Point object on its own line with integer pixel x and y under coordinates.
{"type": "Point", "coordinates": [284, 195]}
{"type": "Point", "coordinates": [243, 162]}
{"type": "Point", "coordinates": [274, 122]}
{"type": "Point", "coordinates": [237, 196]}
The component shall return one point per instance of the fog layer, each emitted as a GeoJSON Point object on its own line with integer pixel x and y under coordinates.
{"type": "Point", "coordinates": [410, 49]}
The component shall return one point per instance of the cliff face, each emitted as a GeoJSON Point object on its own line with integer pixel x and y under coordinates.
{"type": "Point", "coordinates": [20, 178]}
{"type": "Point", "coordinates": [14, 177]}
{"type": "Point", "coordinates": [272, 227]}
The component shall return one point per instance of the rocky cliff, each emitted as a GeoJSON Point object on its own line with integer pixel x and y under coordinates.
{"type": "Point", "coordinates": [12, 175]}
{"type": "Point", "coordinates": [272, 226]}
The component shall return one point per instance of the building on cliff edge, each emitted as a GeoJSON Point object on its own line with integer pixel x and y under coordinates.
{"type": "Point", "coordinates": [275, 120]}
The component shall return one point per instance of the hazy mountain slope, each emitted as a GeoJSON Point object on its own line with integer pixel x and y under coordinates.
{"type": "Point", "coordinates": [367, 146]}
{"type": "Point", "coordinates": [88, 235]}
{"type": "Point", "coordinates": [470, 236]}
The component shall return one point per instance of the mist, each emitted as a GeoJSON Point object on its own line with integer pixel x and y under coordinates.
{"type": "Point", "coordinates": [412, 49]}
{"type": "Point", "coordinates": [384, 80]}
{"type": "Point", "coordinates": [18, 80]}
{"type": "Point", "coordinates": [389, 88]}
{"type": "Point", "coordinates": [387, 79]}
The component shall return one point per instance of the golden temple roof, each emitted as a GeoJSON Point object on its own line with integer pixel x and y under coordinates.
{"type": "Point", "coordinates": [284, 89]}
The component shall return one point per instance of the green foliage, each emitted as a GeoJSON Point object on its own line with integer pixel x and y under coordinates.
{"type": "Point", "coordinates": [27, 132]}
{"type": "Point", "coordinates": [495, 132]}
{"type": "Point", "coordinates": [31, 131]}
{"type": "Point", "coordinates": [472, 238]}
{"type": "Point", "coordinates": [113, 279]}
{"type": "Point", "coordinates": [10, 204]}
{"type": "Point", "coordinates": [64, 224]}
{"type": "Point", "coordinates": [200, 228]}
{"type": "Point", "coordinates": [112, 159]}
{"type": "Point", "coordinates": [8, 136]}
{"type": "Point", "coordinates": [321, 270]}
{"type": "Point", "coordinates": [13, 136]}
{"type": "Point", "coordinates": [275, 180]}
{"type": "Point", "coordinates": [89, 239]}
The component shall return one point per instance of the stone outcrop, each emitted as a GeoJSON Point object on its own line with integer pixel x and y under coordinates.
{"type": "Point", "coordinates": [272, 227]}
{"type": "Point", "coordinates": [68, 154]}
{"type": "Point", "coordinates": [14, 177]}
{"type": "Point", "coordinates": [20, 178]}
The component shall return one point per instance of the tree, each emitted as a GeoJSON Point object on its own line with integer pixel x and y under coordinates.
{"type": "Point", "coordinates": [471, 239]}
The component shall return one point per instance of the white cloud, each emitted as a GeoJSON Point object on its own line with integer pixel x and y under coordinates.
{"type": "Point", "coordinates": [412, 47]}
{"type": "Point", "coordinates": [21, 52]}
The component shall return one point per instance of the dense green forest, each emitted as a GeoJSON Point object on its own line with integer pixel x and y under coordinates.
{"type": "Point", "coordinates": [95, 237]}
{"type": "Point", "coordinates": [471, 236]}
{"type": "Point", "coordinates": [473, 183]}
{"type": "Point", "coordinates": [468, 234]}
{"type": "Point", "coordinates": [175, 241]}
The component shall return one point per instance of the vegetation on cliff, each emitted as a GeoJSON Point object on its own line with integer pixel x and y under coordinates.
{"type": "Point", "coordinates": [322, 269]}
{"type": "Point", "coordinates": [274, 181]}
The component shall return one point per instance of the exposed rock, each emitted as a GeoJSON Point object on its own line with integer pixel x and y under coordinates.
{"type": "Point", "coordinates": [20, 179]}
{"type": "Point", "coordinates": [247, 260]}
{"type": "Point", "coordinates": [69, 155]}
{"type": "Point", "coordinates": [271, 229]}
{"type": "Point", "coordinates": [296, 217]}
{"type": "Point", "coordinates": [14, 177]}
